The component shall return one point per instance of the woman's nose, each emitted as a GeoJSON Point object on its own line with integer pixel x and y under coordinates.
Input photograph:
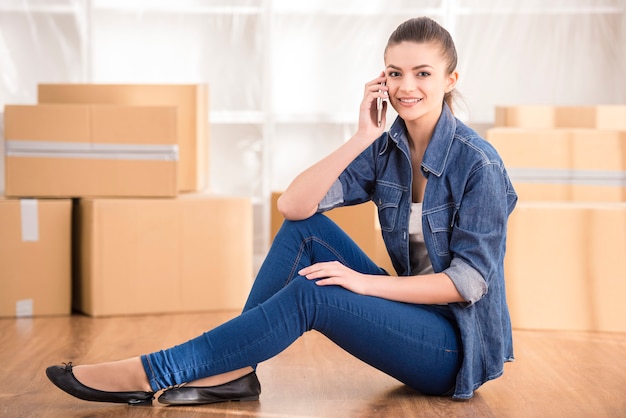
{"type": "Point", "coordinates": [407, 86]}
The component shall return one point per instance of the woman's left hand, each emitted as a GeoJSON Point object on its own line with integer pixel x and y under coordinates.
{"type": "Point", "coordinates": [434, 288]}
{"type": "Point", "coordinates": [334, 273]}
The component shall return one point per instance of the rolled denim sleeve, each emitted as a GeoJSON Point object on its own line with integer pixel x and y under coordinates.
{"type": "Point", "coordinates": [467, 280]}
{"type": "Point", "coordinates": [333, 198]}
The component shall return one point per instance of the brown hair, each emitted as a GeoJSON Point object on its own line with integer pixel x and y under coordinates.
{"type": "Point", "coordinates": [426, 30]}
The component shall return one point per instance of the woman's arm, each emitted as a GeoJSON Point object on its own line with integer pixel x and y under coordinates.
{"type": "Point", "coordinates": [301, 198]}
{"type": "Point", "coordinates": [425, 289]}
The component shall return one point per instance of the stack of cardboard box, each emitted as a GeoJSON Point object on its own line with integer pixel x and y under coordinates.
{"type": "Point", "coordinates": [565, 263]}
{"type": "Point", "coordinates": [107, 183]}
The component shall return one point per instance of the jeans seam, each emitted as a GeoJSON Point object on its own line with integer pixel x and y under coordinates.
{"type": "Point", "coordinates": [306, 241]}
{"type": "Point", "coordinates": [151, 379]}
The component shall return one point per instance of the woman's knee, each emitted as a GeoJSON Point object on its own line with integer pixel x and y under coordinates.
{"type": "Point", "coordinates": [309, 226]}
{"type": "Point", "coordinates": [310, 298]}
{"type": "Point", "coordinates": [303, 289]}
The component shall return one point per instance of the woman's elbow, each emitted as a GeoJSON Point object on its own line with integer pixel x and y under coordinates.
{"type": "Point", "coordinates": [292, 211]}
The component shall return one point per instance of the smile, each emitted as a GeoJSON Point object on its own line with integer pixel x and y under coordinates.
{"type": "Point", "coordinates": [410, 100]}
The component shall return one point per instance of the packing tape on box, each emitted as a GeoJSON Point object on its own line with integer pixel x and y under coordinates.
{"type": "Point", "coordinates": [30, 220]}
{"type": "Point", "coordinates": [24, 308]}
{"type": "Point", "coordinates": [564, 176]}
{"type": "Point", "coordinates": [86, 150]}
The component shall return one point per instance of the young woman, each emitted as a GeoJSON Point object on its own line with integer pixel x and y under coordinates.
{"type": "Point", "coordinates": [443, 195]}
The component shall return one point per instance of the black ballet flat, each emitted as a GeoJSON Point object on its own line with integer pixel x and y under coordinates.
{"type": "Point", "coordinates": [63, 378]}
{"type": "Point", "coordinates": [246, 388]}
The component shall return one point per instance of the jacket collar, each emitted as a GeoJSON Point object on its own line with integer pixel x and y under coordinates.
{"type": "Point", "coordinates": [437, 152]}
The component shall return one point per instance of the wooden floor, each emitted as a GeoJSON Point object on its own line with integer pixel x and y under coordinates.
{"type": "Point", "coordinates": [556, 374]}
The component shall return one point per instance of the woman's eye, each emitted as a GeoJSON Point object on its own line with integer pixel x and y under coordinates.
{"type": "Point", "coordinates": [423, 74]}
{"type": "Point", "coordinates": [393, 74]}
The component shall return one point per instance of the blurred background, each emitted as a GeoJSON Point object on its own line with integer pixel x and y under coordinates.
{"type": "Point", "coordinates": [286, 77]}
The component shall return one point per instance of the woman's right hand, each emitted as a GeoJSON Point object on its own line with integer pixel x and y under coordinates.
{"type": "Point", "coordinates": [301, 198]}
{"type": "Point", "coordinates": [368, 112]}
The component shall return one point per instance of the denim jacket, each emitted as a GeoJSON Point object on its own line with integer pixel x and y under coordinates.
{"type": "Point", "coordinates": [466, 205]}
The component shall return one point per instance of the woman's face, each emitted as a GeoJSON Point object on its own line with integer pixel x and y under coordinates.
{"type": "Point", "coordinates": [418, 80]}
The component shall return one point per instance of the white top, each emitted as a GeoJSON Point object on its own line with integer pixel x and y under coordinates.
{"type": "Point", "coordinates": [420, 263]}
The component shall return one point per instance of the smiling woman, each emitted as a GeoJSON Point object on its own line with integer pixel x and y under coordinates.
{"type": "Point", "coordinates": [416, 91]}
{"type": "Point", "coordinates": [429, 32]}
{"type": "Point", "coordinates": [441, 326]}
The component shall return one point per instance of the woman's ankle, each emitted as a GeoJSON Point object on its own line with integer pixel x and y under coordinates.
{"type": "Point", "coordinates": [118, 376]}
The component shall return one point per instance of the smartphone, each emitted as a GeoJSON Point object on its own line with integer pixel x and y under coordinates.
{"type": "Point", "coordinates": [379, 107]}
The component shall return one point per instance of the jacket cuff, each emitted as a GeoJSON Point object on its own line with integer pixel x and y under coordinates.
{"type": "Point", "coordinates": [467, 280]}
{"type": "Point", "coordinates": [333, 198]}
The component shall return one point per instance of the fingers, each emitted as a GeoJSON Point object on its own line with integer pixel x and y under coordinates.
{"type": "Point", "coordinates": [325, 270]}
{"type": "Point", "coordinates": [333, 273]}
{"type": "Point", "coordinates": [376, 88]}
{"type": "Point", "coordinates": [374, 100]}
{"type": "Point", "coordinates": [321, 270]}
{"type": "Point", "coordinates": [325, 274]}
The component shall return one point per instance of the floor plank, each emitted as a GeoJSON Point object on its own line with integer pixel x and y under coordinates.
{"type": "Point", "coordinates": [556, 374]}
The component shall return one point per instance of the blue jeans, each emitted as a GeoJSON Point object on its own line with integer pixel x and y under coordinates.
{"type": "Point", "coordinates": [417, 344]}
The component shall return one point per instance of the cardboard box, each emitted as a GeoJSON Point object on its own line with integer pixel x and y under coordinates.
{"type": "Point", "coordinates": [35, 257]}
{"type": "Point", "coordinates": [538, 117]}
{"type": "Point", "coordinates": [606, 237]}
{"type": "Point", "coordinates": [564, 164]}
{"type": "Point", "coordinates": [90, 150]}
{"type": "Point", "coordinates": [599, 165]}
{"type": "Point", "coordinates": [547, 117]}
{"type": "Point", "coordinates": [360, 222]}
{"type": "Point", "coordinates": [565, 264]}
{"type": "Point", "coordinates": [144, 256]}
{"type": "Point", "coordinates": [538, 161]}
{"type": "Point", "coordinates": [592, 117]}
{"type": "Point", "coordinates": [191, 101]}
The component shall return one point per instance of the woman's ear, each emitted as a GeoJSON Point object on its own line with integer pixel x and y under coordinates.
{"type": "Point", "coordinates": [453, 77]}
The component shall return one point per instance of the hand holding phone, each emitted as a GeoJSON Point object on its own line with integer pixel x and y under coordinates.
{"type": "Point", "coordinates": [379, 107]}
